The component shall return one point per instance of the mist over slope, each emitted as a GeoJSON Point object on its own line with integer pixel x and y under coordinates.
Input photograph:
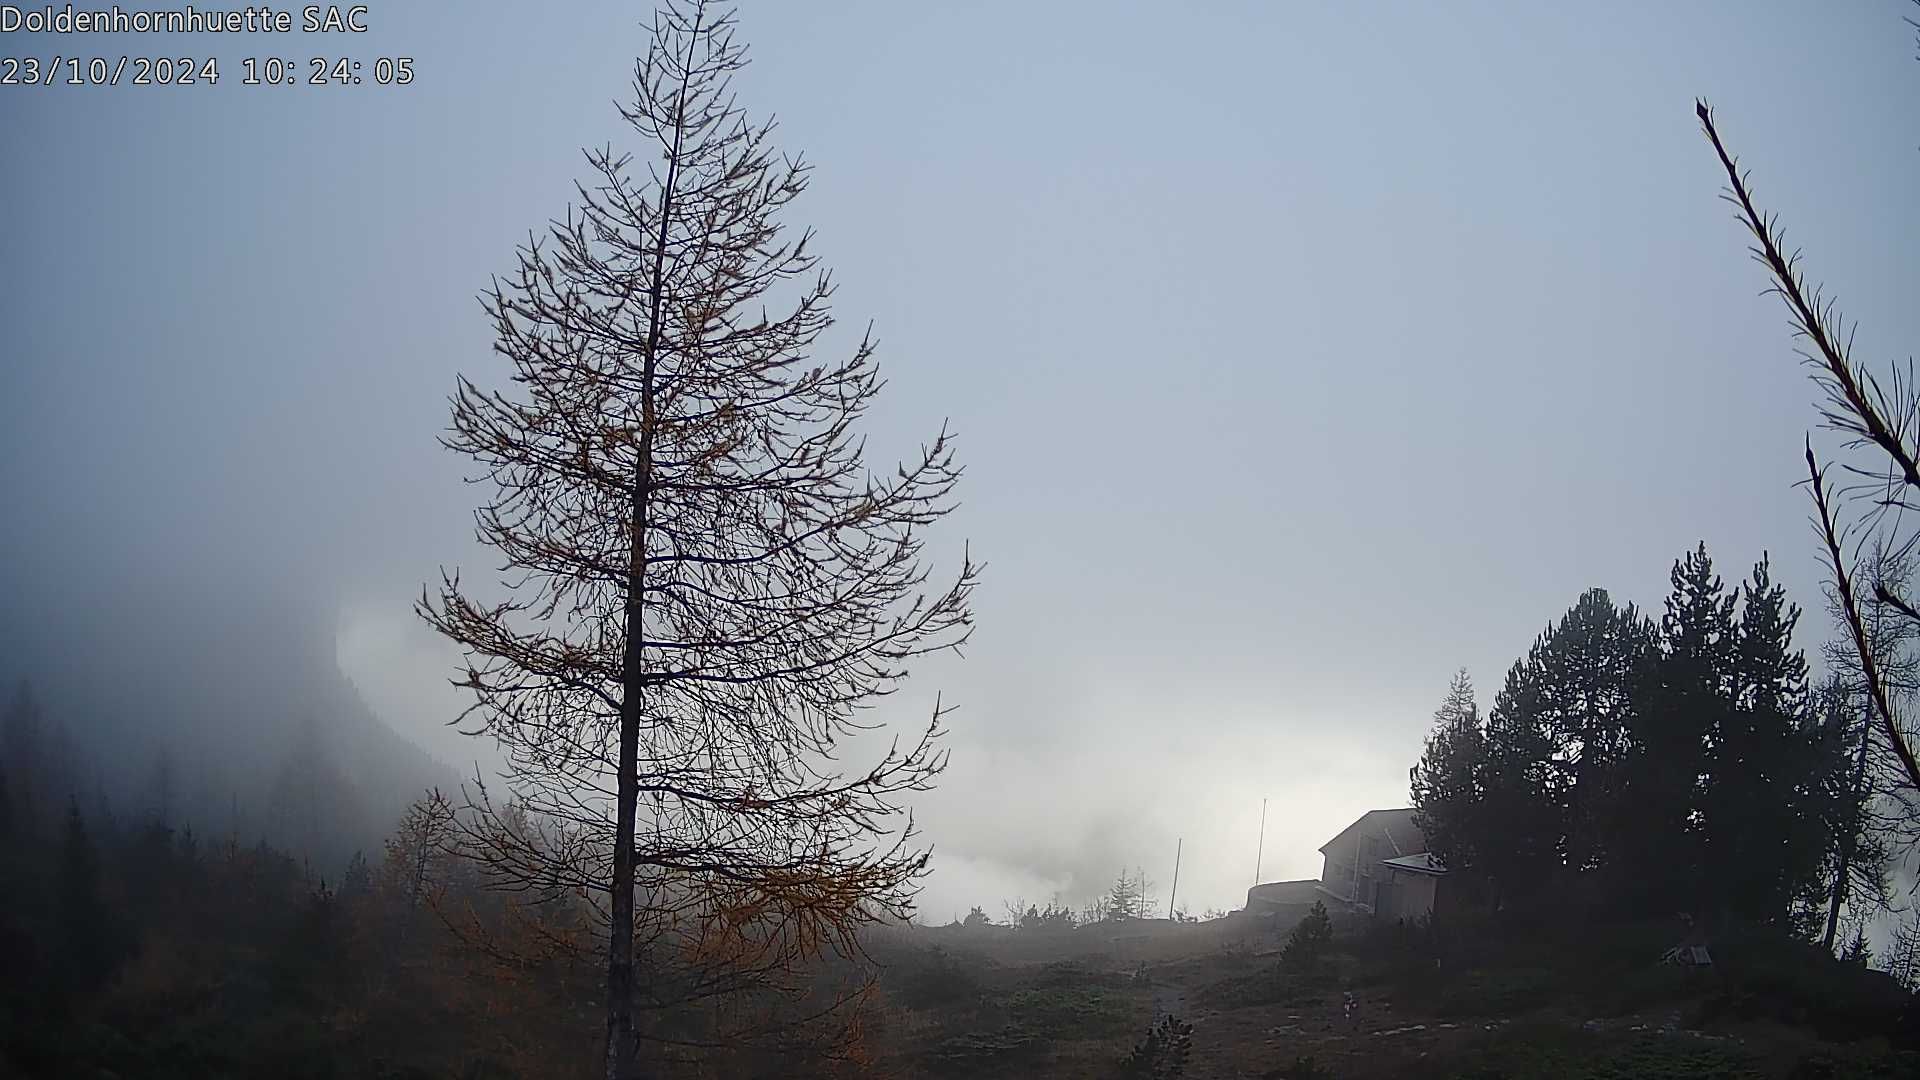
{"type": "Point", "coordinates": [221, 706]}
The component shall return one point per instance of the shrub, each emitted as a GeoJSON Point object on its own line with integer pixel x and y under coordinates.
{"type": "Point", "coordinates": [1059, 1011]}
{"type": "Point", "coordinates": [1163, 1054]}
{"type": "Point", "coordinates": [1310, 937]}
{"type": "Point", "coordinates": [1052, 917]}
{"type": "Point", "coordinates": [932, 980]}
{"type": "Point", "coordinates": [1769, 977]}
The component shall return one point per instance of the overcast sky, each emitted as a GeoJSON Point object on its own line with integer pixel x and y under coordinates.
{"type": "Point", "coordinates": [1301, 353]}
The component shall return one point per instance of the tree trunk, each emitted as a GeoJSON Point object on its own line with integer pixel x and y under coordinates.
{"type": "Point", "coordinates": [1846, 842]}
{"type": "Point", "coordinates": [620, 1040]}
{"type": "Point", "coordinates": [621, 1044]}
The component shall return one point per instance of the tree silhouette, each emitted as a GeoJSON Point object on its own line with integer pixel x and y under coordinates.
{"type": "Point", "coordinates": [1163, 1054]}
{"type": "Point", "coordinates": [1645, 767]}
{"type": "Point", "coordinates": [417, 853]}
{"type": "Point", "coordinates": [1127, 897]}
{"type": "Point", "coordinates": [1880, 423]}
{"type": "Point", "coordinates": [1773, 769]}
{"type": "Point", "coordinates": [1875, 816]}
{"type": "Point", "coordinates": [27, 755]}
{"type": "Point", "coordinates": [1861, 853]}
{"type": "Point", "coordinates": [708, 585]}
{"type": "Point", "coordinates": [1903, 955]}
{"type": "Point", "coordinates": [91, 943]}
{"type": "Point", "coordinates": [1310, 937]}
{"type": "Point", "coordinates": [1556, 745]}
{"type": "Point", "coordinates": [357, 880]}
{"type": "Point", "coordinates": [1448, 781]}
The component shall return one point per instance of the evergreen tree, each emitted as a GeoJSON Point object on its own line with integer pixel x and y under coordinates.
{"type": "Point", "coordinates": [1163, 1054]}
{"type": "Point", "coordinates": [1557, 744]}
{"type": "Point", "coordinates": [25, 753]}
{"type": "Point", "coordinates": [149, 856]}
{"type": "Point", "coordinates": [1127, 898]}
{"type": "Point", "coordinates": [1764, 822]}
{"type": "Point", "coordinates": [1448, 781]}
{"type": "Point", "coordinates": [1684, 765]}
{"type": "Point", "coordinates": [89, 941]}
{"type": "Point", "coordinates": [161, 785]}
{"type": "Point", "coordinates": [1309, 939]}
{"type": "Point", "coordinates": [313, 799]}
{"type": "Point", "coordinates": [1684, 702]}
{"type": "Point", "coordinates": [358, 879]}
{"type": "Point", "coordinates": [1584, 690]}
{"type": "Point", "coordinates": [1518, 833]}
{"type": "Point", "coordinates": [314, 961]}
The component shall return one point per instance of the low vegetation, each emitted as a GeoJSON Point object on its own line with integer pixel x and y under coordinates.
{"type": "Point", "coordinates": [1482, 999]}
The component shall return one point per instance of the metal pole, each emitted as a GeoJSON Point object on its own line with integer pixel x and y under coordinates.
{"type": "Point", "coordinates": [1175, 891]}
{"type": "Point", "coordinates": [1260, 852]}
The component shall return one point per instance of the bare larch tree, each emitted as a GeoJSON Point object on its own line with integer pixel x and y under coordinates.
{"type": "Point", "coordinates": [704, 587]}
{"type": "Point", "coordinates": [1880, 818]}
{"type": "Point", "coordinates": [1880, 423]}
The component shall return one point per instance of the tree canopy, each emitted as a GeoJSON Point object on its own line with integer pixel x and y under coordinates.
{"type": "Point", "coordinates": [1683, 764]}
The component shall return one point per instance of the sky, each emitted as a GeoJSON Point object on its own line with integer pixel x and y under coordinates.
{"type": "Point", "coordinates": [1301, 354]}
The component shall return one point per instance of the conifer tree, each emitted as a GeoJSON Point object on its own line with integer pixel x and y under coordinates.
{"type": "Point", "coordinates": [1683, 711]}
{"type": "Point", "coordinates": [26, 758]}
{"type": "Point", "coordinates": [1308, 940]}
{"type": "Point", "coordinates": [1557, 745]}
{"type": "Point", "coordinates": [1519, 824]}
{"type": "Point", "coordinates": [89, 940]}
{"type": "Point", "coordinates": [1127, 897]}
{"type": "Point", "coordinates": [1651, 768]}
{"type": "Point", "coordinates": [1448, 782]}
{"type": "Point", "coordinates": [357, 880]}
{"type": "Point", "coordinates": [1585, 688]}
{"type": "Point", "coordinates": [709, 588]}
{"type": "Point", "coordinates": [1763, 818]}
{"type": "Point", "coordinates": [161, 786]}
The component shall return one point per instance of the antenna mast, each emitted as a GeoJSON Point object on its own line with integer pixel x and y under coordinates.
{"type": "Point", "coordinates": [1260, 852]}
{"type": "Point", "coordinates": [1175, 891]}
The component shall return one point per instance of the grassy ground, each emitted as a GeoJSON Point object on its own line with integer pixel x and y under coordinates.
{"type": "Point", "coordinates": [1586, 1006]}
